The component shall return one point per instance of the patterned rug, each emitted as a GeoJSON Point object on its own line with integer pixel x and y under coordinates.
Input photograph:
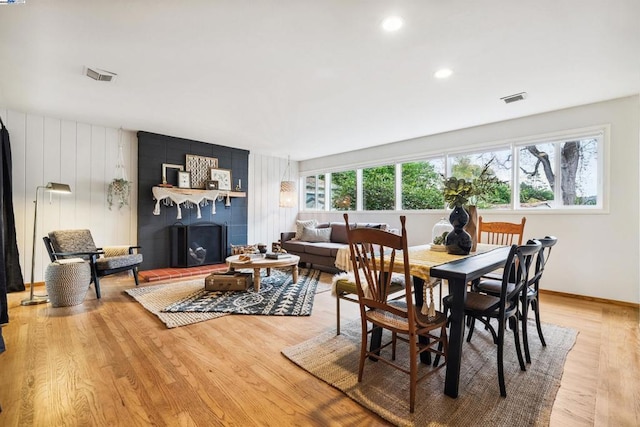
{"type": "Point", "coordinates": [385, 391]}
{"type": "Point", "coordinates": [155, 298]}
{"type": "Point", "coordinates": [278, 296]}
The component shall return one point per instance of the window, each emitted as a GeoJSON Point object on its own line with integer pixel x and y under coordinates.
{"type": "Point", "coordinates": [343, 191]}
{"type": "Point", "coordinates": [315, 192]}
{"type": "Point", "coordinates": [559, 174]}
{"type": "Point", "coordinates": [422, 184]}
{"type": "Point", "coordinates": [379, 188]}
{"type": "Point", "coordinates": [498, 163]}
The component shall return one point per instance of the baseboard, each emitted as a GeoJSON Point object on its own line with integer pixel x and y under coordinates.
{"type": "Point", "coordinates": [587, 298]}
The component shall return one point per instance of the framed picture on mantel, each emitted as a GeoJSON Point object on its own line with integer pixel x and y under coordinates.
{"type": "Point", "coordinates": [184, 179]}
{"type": "Point", "coordinates": [223, 176]}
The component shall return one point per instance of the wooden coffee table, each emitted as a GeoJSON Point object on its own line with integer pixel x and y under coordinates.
{"type": "Point", "coordinates": [258, 262]}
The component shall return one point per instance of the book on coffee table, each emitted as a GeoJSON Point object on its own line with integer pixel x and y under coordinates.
{"type": "Point", "coordinates": [273, 255]}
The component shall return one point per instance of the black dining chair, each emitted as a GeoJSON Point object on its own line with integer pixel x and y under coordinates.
{"type": "Point", "coordinates": [504, 306]}
{"type": "Point", "coordinates": [531, 296]}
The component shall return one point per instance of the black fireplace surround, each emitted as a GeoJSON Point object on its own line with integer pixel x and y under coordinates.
{"type": "Point", "coordinates": [154, 232]}
{"type": "Point", "coordinates": [198, 244]}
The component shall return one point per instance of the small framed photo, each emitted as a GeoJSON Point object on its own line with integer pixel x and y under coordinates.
{"type": "Point", "coordinates": [211, 184]}
{"type": "Point", "coordinates": [184, 179]}
{"type": "Point", "coordinates": [223, 176]}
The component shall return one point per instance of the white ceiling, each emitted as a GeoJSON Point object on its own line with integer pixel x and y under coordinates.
{"type": "Point", "coordinates": [309, 78]}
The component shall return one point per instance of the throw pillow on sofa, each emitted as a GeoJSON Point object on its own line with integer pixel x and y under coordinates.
{"type": "Point", "coordinates": [301, 224]}
{"type": "Point", "coordinates": [315, 235]}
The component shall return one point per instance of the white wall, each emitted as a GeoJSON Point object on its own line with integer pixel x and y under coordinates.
{"type": "Point", "coordinates": [597, 254]}
{"type": "Point", "coordinates": [266, 220]}
{"type": "Point", "coordinates": [84, 156]}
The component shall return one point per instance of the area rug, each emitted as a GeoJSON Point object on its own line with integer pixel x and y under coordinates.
{"type": "Point", "coordinates": [157, 297]}
{"type": "Point", "coordinates": [385, 391]}
{"type": "Point", "coordinates": [278, 296]}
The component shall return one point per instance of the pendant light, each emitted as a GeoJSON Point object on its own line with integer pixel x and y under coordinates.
{"type": "Point", "coordinates": [287, 188]}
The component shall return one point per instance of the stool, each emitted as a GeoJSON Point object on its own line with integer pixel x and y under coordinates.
{"type": "Point", "coordinates": [67, 284]}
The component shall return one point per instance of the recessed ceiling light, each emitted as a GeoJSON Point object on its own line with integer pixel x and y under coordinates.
{"type": "Point", "coordinates": [443, 73]}
{"type": "Point", "coordinates": [392, 23]}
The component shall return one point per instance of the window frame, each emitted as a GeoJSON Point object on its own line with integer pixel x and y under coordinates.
{"type": "Point", "coordinates": [600, 132]}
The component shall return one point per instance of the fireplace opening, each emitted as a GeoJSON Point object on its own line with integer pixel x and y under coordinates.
{"type": "Point", "coordinates": [198, 244]}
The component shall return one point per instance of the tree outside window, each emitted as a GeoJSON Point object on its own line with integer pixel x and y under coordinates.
{"type": "Point", "coordinates": [498, 164]}
{"type": "Point", "coordinates": [422, 185]}
{"type": "Point", "coordinates": [577, 163]}
{"type": "Point", "coordinates": [343, 191]}
{"type": "Point", "coordinates": [379, 188]}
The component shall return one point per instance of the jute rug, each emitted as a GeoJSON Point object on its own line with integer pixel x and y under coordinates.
{"type": "Point", "coordinates": [385, 390]}
{"type": "Point", "coordinates": [155, 298]}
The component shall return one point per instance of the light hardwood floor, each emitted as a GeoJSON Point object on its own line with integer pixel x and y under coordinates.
{"type": "Point", "coordinates": [112, 363]}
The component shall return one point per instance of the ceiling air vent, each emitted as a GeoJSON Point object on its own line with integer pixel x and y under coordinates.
{"type": "Point", "coordinates": [515, 97]}
{"type": "Point", "coordinates": [100, 75]}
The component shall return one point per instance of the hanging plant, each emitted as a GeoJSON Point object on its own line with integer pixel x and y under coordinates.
{"type": "Point", "coordinates": [120, 188]}
{"type": "Point", "coordinates": [118, 192]}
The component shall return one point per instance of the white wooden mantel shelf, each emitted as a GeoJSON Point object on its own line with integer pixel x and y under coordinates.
{"type": "Point", "coordinates": [179, 196]}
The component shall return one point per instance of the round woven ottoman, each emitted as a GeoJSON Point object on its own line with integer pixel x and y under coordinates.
{"type": "Point", "coordinates": [67, 284]}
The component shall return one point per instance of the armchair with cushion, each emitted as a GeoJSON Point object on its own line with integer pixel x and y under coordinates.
{"type": "Point", "coordinates": [63, 244]}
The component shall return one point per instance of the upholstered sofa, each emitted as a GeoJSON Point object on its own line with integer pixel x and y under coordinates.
{"type": "Point", "coordinates": [317, 244]}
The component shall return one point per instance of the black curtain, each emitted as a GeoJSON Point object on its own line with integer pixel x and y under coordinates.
{"type": "Point", "coordinates": [10, 273]}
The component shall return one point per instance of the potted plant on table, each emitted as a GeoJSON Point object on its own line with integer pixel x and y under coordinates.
{"type": "Point", "coordinates": [462, 195]}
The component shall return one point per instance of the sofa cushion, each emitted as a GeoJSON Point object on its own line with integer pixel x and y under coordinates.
{"type": "Point", "coordinates": [301, 224]}
{"type": "Point", "coordinates": [339, 232]}
{"type": "Point", "coordinates": [323, 249]}
{"type": "Point", "coordinates": [295, 246]}
{"type": "Point", "coordinates": [316, 234]}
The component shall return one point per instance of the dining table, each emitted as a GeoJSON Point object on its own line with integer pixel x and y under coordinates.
{"type": "Point", "coordinates": [426, 267]}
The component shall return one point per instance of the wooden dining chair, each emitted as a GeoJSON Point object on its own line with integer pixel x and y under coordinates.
{"type": "Point", "coordinates": [504, 307]}
{"type": "Point", "coordinates": [375, 255]}
{"type": "Point", "coordinates": [501, 233]}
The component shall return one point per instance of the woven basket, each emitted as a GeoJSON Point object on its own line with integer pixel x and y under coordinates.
{"type": "Point", "coordinates": [67, 284]}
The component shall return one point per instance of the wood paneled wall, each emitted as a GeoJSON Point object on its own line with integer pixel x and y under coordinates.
{"type": "Point", "coordinates": [84, 156]}
{"type": "Point", "coordinates": [266, 218]}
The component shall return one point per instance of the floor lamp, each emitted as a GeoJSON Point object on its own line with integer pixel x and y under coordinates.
{"type": "Point", "coordinates": [52, 187]}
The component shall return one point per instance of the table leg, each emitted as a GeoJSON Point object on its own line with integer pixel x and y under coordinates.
{"type": "Point", "coordinates": [256, 279]}
{"type": "Point", "coordinates": [458, 288]}
{"type": "Point", "coordinates": [268, 271]}
{"type": "Point", "coordinates": [294, 273]}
